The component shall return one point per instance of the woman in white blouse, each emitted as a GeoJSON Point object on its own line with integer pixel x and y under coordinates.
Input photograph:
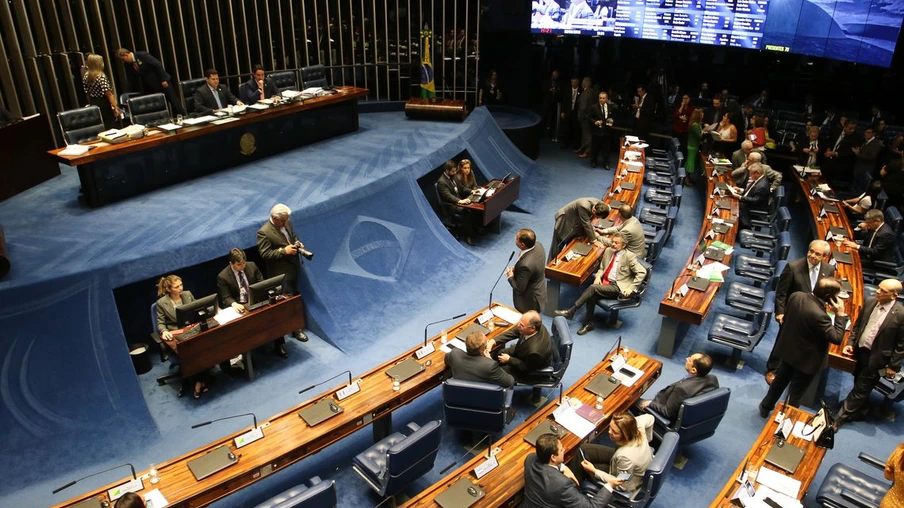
{"type": "Point", "coordinates": [865, 201]}
{"type": "Point", "coordinates": [633, 455]}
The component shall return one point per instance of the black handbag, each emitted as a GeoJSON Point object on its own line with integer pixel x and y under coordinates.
{"type": "Point", "coordinates": [822, 427]}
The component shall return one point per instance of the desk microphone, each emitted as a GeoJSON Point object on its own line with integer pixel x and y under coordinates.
{"type": "Point", "coordinates": [447, 468]}
{"type": "Point", "coordinates": [615, 347]}
{"type": "Point", "coordinates": [73, 482]}
{"type": "Point", "coordinates": [330, 379]}
{"type": "Point", "coordinates": [500, 277]}
{"type": "Point", "coordinates": [203, 424]}
{"type": "Point", "coordinates": [440, 321]}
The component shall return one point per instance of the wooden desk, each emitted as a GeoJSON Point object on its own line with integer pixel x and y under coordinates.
{"type": "Point", "coordinates": [804, 473]}
{"type": "Point", "coordinates": [240, 336]}
{"type": "Point", "coordinates": [692, 308]}
{"type": "Point", "coordinates": [577, 271]}
{"type": "Point", "coordinates": [23, 145]}
{"type": "Point", "coordinates": [110, 173]}
{"type": "Point", "coordinates": [505, 483]}
{"type": "Point", "coordinates": [288, 439]}
{"type": "Point", "coordinates": [853, 272]}
{"type": "Point", "coordinates": [491, 208]}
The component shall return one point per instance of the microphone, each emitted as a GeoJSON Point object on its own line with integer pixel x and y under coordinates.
{"type": "Point", "coordinates": [560, 393]}
{"type": "Point", "coordinates": [441, 321]}
{"type": "Point", "coordinates": [73, 482]}
{"type": "Point", "coordinates": [447, 468]}
{"type": "Point", "coordinates": [499, 278]}
{"type": "Point", "coordinates": [330, 379]}
{"type": "Point", "coordinates": [615, 347]}
{"type": "Point", "coordinates": [203, 424]}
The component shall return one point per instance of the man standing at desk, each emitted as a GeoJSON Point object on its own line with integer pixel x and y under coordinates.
{"type": "Point", "coordinates": [533, 350]}
{"type": "Point", "coordinates": [576, 219]}
{"type": "Point", "coordinates": [234, 289]}
{"type": "Point", "coordinates": [619, 276]}
{"type": "Point", "coordinates": [476, 364]}
{"type": "Point", "coordinates": [668, 401]}
{"type": "Point", "coordinates": [802, 345]}
{"type": "Point", "coordinates": [754, 196]}
{"type": "Point", "coordinates": [213, 96]}
{"type": "Point", "coordinates": [279, 247]}
{"type": "Point", "coordinates": [146, 74]}
{"type": "Point", "coordinates": [528, 276]}
{"type": "Point", "coordinates": [258, 88]}
{"type": "Point", "coordinates": [877, 344]}
{"type": "Point", "coordinates": [549, 483]}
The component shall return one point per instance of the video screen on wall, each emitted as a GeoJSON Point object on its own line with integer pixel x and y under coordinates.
{"type": "Point", "coordinates": [863, 31]}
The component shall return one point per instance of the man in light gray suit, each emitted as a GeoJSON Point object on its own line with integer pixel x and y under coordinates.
{"type": "Point", "coordinates": [631, 229]}
{"type": "Point", "coordinates": [280, 247]}
{"type": "Point", "coordinates": [576, 219]}
{"type": "Point", "coordinates": [619, 276]}
{"type": "Point", "coordinates": [528, 276]}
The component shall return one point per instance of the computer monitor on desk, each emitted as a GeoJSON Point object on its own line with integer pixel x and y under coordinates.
{"type": "Point", "coordinates": [265, 290]}
{"type": "Point", "coordinates": [198, 311]}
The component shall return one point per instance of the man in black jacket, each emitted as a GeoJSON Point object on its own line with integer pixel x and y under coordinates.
{"type": "Point", "coordinates": [234, 287]}
{"type": "Point", "coordinates": [600, 131]}
{"type": "Point", "coordinates": [569, 128]}
{"type": "Point", "coordinates": [528, 276]}
{"type": "Point", "coordinates": [533, 349]}
{"type": "Point", "coordinates": [549, 483]}
{"type": "Point", "coordinates": [877, 344]}
{"type": "Point", "coordinates": [668, 401]}
{"type": "Point", "coordinates": [213, 96]}
{"type": "Point", "coordinates": [452, 196]}
{"type": "Point", "coordinates": [755, 196]}
{"type": "Point", "coordinates": [259, 87]}
{"type": "Point", "coordinates": [146, 74]}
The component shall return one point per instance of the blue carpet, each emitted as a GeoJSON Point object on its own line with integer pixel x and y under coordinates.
{"type": "Point", "coordinates": [384, 266]}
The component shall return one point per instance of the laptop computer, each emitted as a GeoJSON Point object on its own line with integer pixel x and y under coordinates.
{"type": "Point", "coordinates": [212, 462]}
{"type": "Point", "coordinates": [615, 203]}
{"type": "Point", "coordinates": [831, 208]}
{"type": "Point", "coordinates": [460, 494]}
{"type": "Point", "coordinates": [605, 223]}
{"type": "Point", "coordinates": [839, 231]}
{"type": "Point", "coordinates": [723, 204]}
{"type": "Point", "coordinates": [785, 456]}
{"type": "Point", "coordinates": [627, 185]}
{"type": "Point", "coordinates": [721, 228]}
{"type": "Point", "coordinates": [602, 385]}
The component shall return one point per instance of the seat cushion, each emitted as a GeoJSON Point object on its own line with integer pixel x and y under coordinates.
{"type": "Point", "coordinates": [731, 331]}
{"type": "Point", "coordinates": [373, 459]}
{"type": "Point", "coordinates": [745, 297]}
{"type": "Point", "coordinates": [841, 478]}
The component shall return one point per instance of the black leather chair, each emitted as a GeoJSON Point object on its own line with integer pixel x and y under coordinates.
{"type": "Point", "coordinates": [739, 334]}
{"type": "Point", "coordinates": [751, 299]}
{"type": "Point", "coordinates": [551, 377]}
{"type": "Point", "coordinates": [314, 75]}
{"type": "Point", "coordinates": [284, 80]}
{"type": "Point", "coordinates": [846, 487]}
{"type": "Point", "coordinates": [316, 493]}
{"type": "Point", "coordinates": [149, 109]}
{"type": "Point", "coordinates": [188, 92]}
{"type": "Point", "coordinates": [476, 406]}
{"type": "Point", "coordinates": [397, 460]}
{"type": "Point", "coordinates": [82, 124]}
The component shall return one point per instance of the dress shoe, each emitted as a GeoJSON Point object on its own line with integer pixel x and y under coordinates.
{"type": "Point", "coordinates": [577, 150]}
{"type": "Point", "coordinates": [469, 241]}
{"type": "Point", "coordinates": [592, 164]}
{"type": "Point", "coordinates": [566, 313]}
{"type": "Point", "coordinates": [770, 377]}
{"type": "Point", "coordinates": [583, 155]}
{"type": "Point", "coordinates": [281, 351]}
{"type": "Point", "coordinates": [607, 168]}
{"type": "Point", "coordinates": [764, 413]}
{"type": "Point", "coordinates": [300, 335]}
{"type": "Point", "coordinates": [586, 328]}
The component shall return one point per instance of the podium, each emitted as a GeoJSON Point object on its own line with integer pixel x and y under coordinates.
{"type": "Point", "coordinates": [24, 146]}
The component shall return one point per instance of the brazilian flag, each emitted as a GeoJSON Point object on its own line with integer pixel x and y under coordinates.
{"type": "Point", "coordinates": [427, 89]}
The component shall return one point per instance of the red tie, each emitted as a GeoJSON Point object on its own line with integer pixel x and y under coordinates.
{"type": "Point", "coordinates": [605, 280]}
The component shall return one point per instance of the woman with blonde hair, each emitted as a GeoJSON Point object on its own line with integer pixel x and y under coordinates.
{"type": "Point", "coordinates": [633, 455]}
{"type": "Point", "coordinates": [98, 90]}
{"type": "Point", "coordinates": [171, 295]}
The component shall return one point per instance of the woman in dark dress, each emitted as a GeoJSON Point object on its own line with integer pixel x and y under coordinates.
{"type": "Point", "coordinates": [98, 90]}
{"type": "Point", "coordinates": [489, 91]}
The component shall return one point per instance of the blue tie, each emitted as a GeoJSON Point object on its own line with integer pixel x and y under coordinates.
{"type": "Point", "coordinates": [216, 97]}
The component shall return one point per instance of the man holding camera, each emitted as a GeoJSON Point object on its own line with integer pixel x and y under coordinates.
{"type": "Point", "coordinates": [280, 248]}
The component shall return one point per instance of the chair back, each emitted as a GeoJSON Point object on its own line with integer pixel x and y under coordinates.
{"type": "Point", "coordinates": [314, 75]}
{"type": "Point", "coordinates": [657, 471]}
{"type": "Point", "coordinates": [154, 317]}
{"type": "Point", "coordinates": [473, 405]}
{"type": "Point", "coordinates": [412, 457]}
{"type": "Point", "coordinates": [779, 268]}
{"type": "Point", "coordinates": [188, 92]}
{"type": "Point", "coordinates": [316, 494]}
{"type": "Point", "coordinates": [82, 124]}
{"type": "Point", "coordinates": [699, 416]}
{"type": "Point", "coordinates": [677, 192]}
{"type": "Point", "coordinates": [149, 109]}
{"type": "Point", "coordinates": [783, 219]}
{"type": "Point", "coordinates": [762, 320]}
{"type": "Point", "coordinates": [782, 247]}
{"type": "Point", "coordinates": [893, 218]}
{"type": "Point", "coordinates": [285, 80]}
{"type": "Point", "coordinates": [561, 347]}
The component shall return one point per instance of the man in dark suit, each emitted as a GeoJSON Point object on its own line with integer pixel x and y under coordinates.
{"type": "Point", "coordinates": [802, 345]}
{"type": "Point", "coordinates": [755, 196]}
{"type": "Point", "coordinates": [476, 364]}
{"type": "Point", "coordinates": [549, 483]}
{"type": "Point", "coordinates": [644, 110]}
{"type": "Point", "coordinates": [619, 276]}
{"type": "Point", "coordinates": [146, 74]}
{"type": "Point", "coordinates": [668, 401]}
{"type": "Point", "coordinates": [576, 219]}
{"type": "Point", "coordinates": [552, 97]}
{"type": "Point", "coordinates": [533, 351]}
{"type": "Point", "coordinates": [234, 290]}
{"type": "Point", "coordinates": [810, 151]}
{"type": "Point", "coordinates": [569, 128]}
{"type": "Point", "coordinates": [877, 344]}
{"type": "Point", "coordinates": [865, 157]}
{"type": "Point", "coordinates": [600, 131]}
{"type": "Point", "coordinates": [799, 275]}
{"type": "Point", "coordinates": [839, 157]}
{"type": "Point", "coordinates": [586, 102]}
{"type": "Point", "coordinates": [279, 247]}
{"type": "Point", "coordinates": [452, 196]}
{"type": "Point", "coordinates": [528, 276]}
{"type": "Point", "coordinates": [877, 238]}
{"type": "Point", "coordinates": [213, 96]}
{"type": "Point", "coordinates": [259, 87]}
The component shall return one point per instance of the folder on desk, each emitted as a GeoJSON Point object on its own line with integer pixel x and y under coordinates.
{"type": "Point", "coordinates": [627, 185]}
{"type": "Point", "coordinates": [602, 385]}
{"type": "Point", "coordinates": [699, 283]}
{"type": "Point", "coordinates": [407, 368]}
{"type": "Point", "coordinates": [839, 231]}
{"type": "Point", "coordinates": [722, 186]}
{"type": "Point", "coordinates": [320, 412]}
{"type": "Point", "coordinates": [786, 457]}
{"type": "Point", "coordinates": [604, 223]}
{"type": "Point", "coordinates": [473, 327]}
{"type": "Point", "coordinates": [582, 249]}
{"type": "Point", "coordinates": [458, 494]}
{"type": "Point", "coordinates": [546, 427]}
{"type": "Point", "coordinates": [721, 228]}
{"type": "Point", "coordinates": [714, 253]}
{"type": "Point", "coordinates": [723, 204]}
{"type": "Point", "coordinates": [614, 203]}
{"type": "Point", "coordinates": [212, 462]}
{"type": "Point", "coordinates": [843, 257]}
{"type": "Point", "coordinates": [634, 166]}
{"type": "Point", "coordinates": [831, 208]}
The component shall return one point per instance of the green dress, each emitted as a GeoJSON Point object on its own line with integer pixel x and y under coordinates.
{"type": "Point", "coordinates": [694, 133]}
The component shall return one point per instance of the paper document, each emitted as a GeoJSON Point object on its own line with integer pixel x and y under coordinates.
{"type": "Point", "coordinates": [199, 120]}
{"type": "Point", "coordinates": [778, 482]}
{"type": "Point", "coordinates": [632, 139]}
{"type": "Point", "coordinates": [235, 109]}
{"type": "Point", "coordinates": [803, 431]}
{"type": "Point", "coordinates": [224, 120]}
{"type": "Point", "coordinates": [456, 342]}
{"type": "Point", "coordinates": [226, 315]}
{"type": "Point", "coordinates": [509, 316]}
{"type": "Point", "coordinates": [574, 423]}
{"type": "Point", "coordinates": [290, 94]}
{"type": "Point", "coordinates": [314, 90]}
{"type": "Point", "coordinates": [634, 164]}
{"type": "Point", "coordinates": [762, 492]}
{"type": "Point", "coordinates": [631, 154]}
{"type": "Point", "coordinates": [628, 374]}
{"type": "Point", "coordinates": [169, 127]}
{"type": "Point", "coordinates": [259, 107]}
{"type": "Point", "coordinates": [155, 499]}
{"type": "Point", "coordinates": [827, 198]}
{"type": "Point", "coordinates": [75, 150]}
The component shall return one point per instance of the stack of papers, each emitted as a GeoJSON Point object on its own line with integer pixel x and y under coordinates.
{"type": "Point", "coordinates": [199, 120]}
{"type": "Point", "coordinates": [722, 162]}
{"type": "Point", "coordinates": [778, 482]}
{"type": "Point", "coordinates": [456, 342]}
{"type": "Point", "coordinates": [314, 90]}
{"type": "Point", "coordinates": [259, 107]}
{"type": "Point", "coordinates": [509, 316]}
{"type": "Point", "coordinates": [169, 127]}
{"type": "Point", "coordinates": [712, 271]}
{"type": "Point", "coordinates": [566, 416]}
{"type": "Point", "coordinates": [224, 120]}
{"type": "Point", "coordinates": [75, 150]}
{"type": "Point", "coordinates": [722, 245]}
{"type": "Point", "coordinates": [290, 94]}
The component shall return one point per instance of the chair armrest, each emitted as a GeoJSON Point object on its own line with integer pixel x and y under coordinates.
{"type": "Point", "coordinates": [314, 480]}
{"type": "Point", "coordinates": [737, 330]}
{"type": "Point", "coordinates": [658, 419]}
{"type": "Point", "coordinates": [885, 266]}
{"type": "Point", "coordinates": [155, 337]}
{"type": "Point", "coordinates": [855, 498]}
{"type": "Point", "coordinates": [873, 461]}
{"type": "Point", "coordinates": [413, 427]}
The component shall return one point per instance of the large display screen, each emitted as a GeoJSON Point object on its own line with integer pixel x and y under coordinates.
{"type": "Point", "coordinates": [863, 31]}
